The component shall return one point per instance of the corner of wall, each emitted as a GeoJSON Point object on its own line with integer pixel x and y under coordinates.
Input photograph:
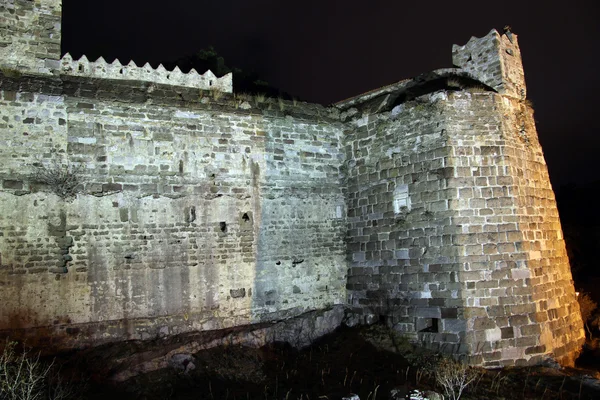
{"type": "Point", "coordinates": [453, 232]}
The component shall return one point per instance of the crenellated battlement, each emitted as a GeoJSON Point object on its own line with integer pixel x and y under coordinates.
{"type": "Point", "coordinates": [115, 70]}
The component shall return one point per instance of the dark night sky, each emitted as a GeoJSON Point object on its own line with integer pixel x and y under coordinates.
{"type": "Point", "coordinates": [327, 50]}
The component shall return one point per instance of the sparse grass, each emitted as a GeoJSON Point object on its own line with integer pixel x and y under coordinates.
{"type": "Point", "coordinates": [239, 98]}
{"type": "Point", "coordinates": [348, 361]}
{"type": "Point", "coordinates": [11, 72]}
{"type": "Point", "coordinates": [453, 83]}
{"type": "Point", "coordinates": [281, 104]}
{"type": "Point", "coordinates": [216, 94]}
{"type": "Point", "coordinates": [477, 89]}
{"type": "Point", "coordinates": [260, 98]}
{"type": "Point", "coordinates": [242, 96]}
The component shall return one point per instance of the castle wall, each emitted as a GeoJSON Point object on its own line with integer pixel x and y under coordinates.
{"type": "Point", "coordinates": [475, 263]}
{"type": "Point", "coordinates": [403, 265]}
{"type": "Point", "coordinates": [190, 214]}
{"type": "Point", "coordinates": [520, 302]}
{"type": "Point", "coordinates": [557, 317]}
{"type": "Point", "coordinates": [30, 35]}
{"type": "Point", "coordinates": [137, 203]}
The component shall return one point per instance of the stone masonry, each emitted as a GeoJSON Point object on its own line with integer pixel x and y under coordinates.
{"type": "Point", "coordinates": [454, 236]}
{"type": "Point", "coordinates": [139, 203]}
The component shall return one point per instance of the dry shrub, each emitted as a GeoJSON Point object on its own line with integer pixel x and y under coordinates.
{"type": "Point", "coordinates": [454, 376]}
{"type": "Point", "coordinates": [587, 306]}
{"type": "Point", "coordinates": [63, 180]}
{"type": "Point", "coordinates": [23, 376]}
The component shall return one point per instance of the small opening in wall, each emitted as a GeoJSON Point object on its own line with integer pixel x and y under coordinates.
{"type": "Point", "coordinates": [192, 214]}
{"type": "Point", "coordinates": [209, 83]}
{"type": "Point", "coordinates": [428, 325]}
{"type": "Point", "coordinates": [245, 217]}
{"type": "Point", "coordinates": [80, 68]}
{"type": "Point", "coordinates": [223, 226]}
{"type": "Point", "coordinates": [401, 199]}
{"type": "Point", "coordinates": [121, 71]}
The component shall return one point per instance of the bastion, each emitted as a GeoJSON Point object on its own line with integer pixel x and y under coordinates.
{"type": "Point", "coordinates": [138, 203]}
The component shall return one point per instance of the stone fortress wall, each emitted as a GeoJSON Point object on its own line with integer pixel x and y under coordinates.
{"type": "Point", "coordinates": [425, 203]}
{"type": "Point", "coordinates": [454, 234]}
{"type": "Point", "coordinates": [193, 213]}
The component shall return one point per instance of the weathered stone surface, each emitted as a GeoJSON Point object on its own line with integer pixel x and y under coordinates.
{"type": "Point", "coordinates": [425, 204]}
{"type": "Point", "coordinates": [30, 36]}
{"type": "Point", "coordinates": [182, 361]}
{"type": "Point", "coordinates": [477, 246]}
{"type": "Point", "coordinates": [494, 60]}
{"type": "Point", "coordinates": [147, 249]}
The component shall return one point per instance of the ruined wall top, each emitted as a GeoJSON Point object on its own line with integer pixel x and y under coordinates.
{"type": "Point", "coordinates": [492, 62]}
{"type": "Point", "coordinates": [495, 60]}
